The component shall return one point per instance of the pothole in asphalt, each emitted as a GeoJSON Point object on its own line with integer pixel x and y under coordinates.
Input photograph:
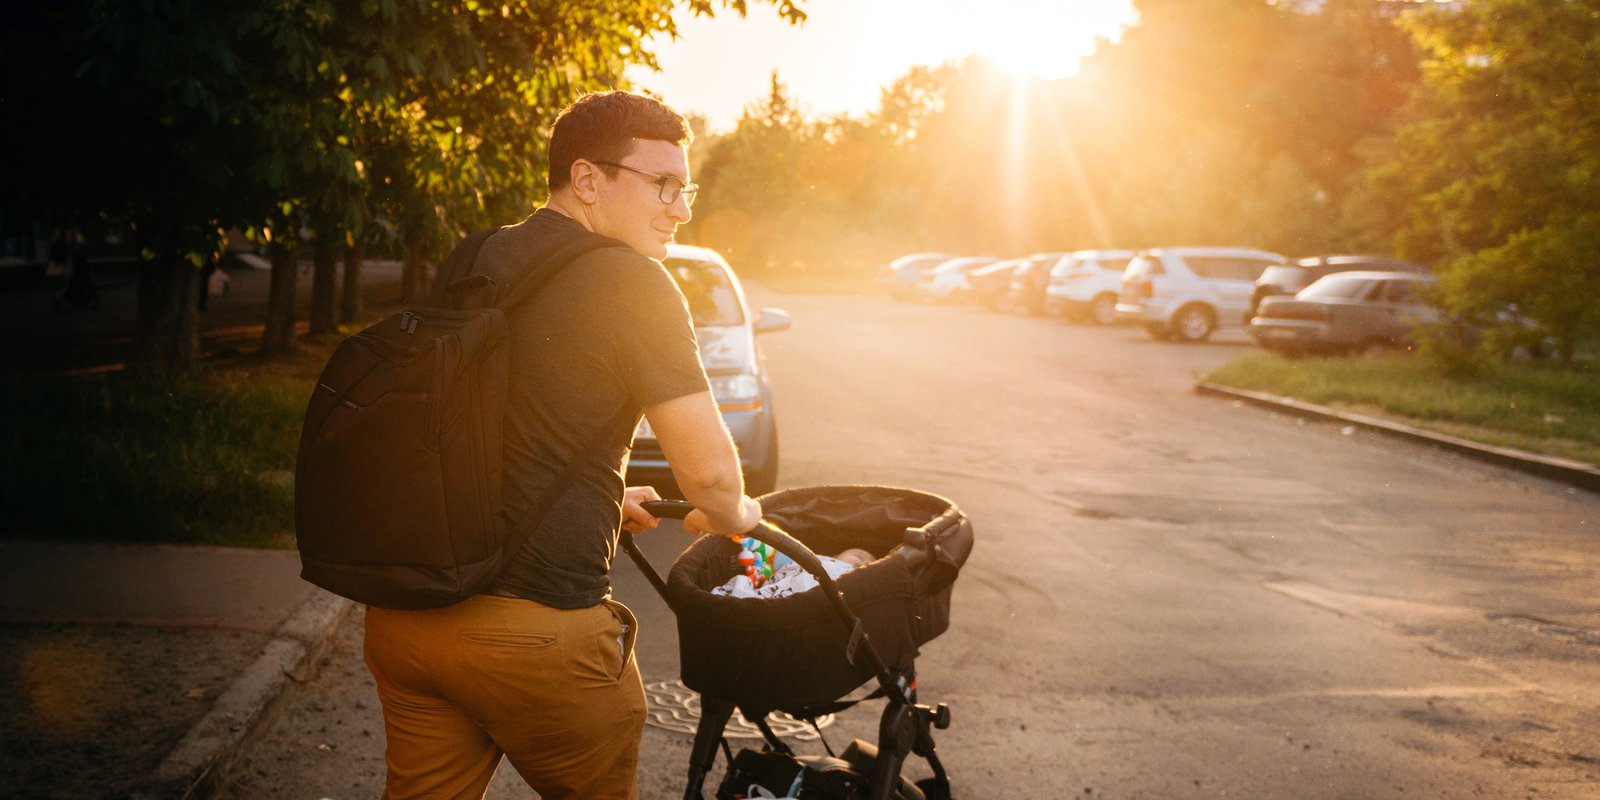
{"type": "Point", "coordinates": [1550, 630]}
{"type": "Point", "coordinates": [676, 707]}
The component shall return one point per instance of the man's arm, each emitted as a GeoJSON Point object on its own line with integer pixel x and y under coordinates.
{"type": "Point", "coordinates": [704, 464]}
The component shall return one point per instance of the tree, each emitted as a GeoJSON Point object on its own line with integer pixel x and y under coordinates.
{"type": "Point", "coordinates": [234, 113]}
{"type": "Point", "coordinates": [1496, 175]}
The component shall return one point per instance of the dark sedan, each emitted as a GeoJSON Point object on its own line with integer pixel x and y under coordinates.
{"type": "Point", "coordinates": [1289, 279]}
{"type": "Point", "coordinates": [1346, 312]}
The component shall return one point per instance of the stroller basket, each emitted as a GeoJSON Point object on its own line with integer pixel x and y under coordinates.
{"type": "Point", "coordinates": [793, 654]}
{"type": "Point", "coordinates": [803, 652]}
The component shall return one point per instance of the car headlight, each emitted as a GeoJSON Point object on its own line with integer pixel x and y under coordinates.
{"type": "Point", "coordinates": [725, 350]}
{"type": "Point", "coordinates": [741, 392]}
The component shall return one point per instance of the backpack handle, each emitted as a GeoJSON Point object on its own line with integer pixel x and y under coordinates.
{"type": "Point", "coordinates": [456, 267]}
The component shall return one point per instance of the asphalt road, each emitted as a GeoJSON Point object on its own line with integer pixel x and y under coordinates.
{"type": "Point", "coordinates": [1172, 596]}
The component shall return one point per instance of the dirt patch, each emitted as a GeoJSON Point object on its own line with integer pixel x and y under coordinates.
{"type": "Point", "coordinates": [91, 711]}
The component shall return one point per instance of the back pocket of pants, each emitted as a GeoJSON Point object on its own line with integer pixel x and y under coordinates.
{"type": "Point", "coordinates": [513, 639]}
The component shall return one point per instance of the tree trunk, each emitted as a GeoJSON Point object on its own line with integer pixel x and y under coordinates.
{"type": "Point", "coordinates": [324, 281]}
{"type": "Point", "coordinates": [350, 307]}
{"type": "Point", "coordinates": [157, 314]}
{"type": "Point", "coordinates": [186, 289]}
{"type": "Point", "coordinates": [278, 337]}
{"type": "Point", "coordinates": [168, 340]}
{"type": "Point", "coordinates": [414, 273]}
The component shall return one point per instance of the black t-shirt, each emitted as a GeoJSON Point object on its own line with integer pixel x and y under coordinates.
{"type": "Point", "coordinates": [610, 330]}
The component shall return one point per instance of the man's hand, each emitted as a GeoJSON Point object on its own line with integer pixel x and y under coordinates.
{"type": "Point", "coordinates": [700, 523]}
{"type": "Point", "coordinates": [634, 518]}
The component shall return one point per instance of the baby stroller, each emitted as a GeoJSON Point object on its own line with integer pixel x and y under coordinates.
{"type": "Point", "coordinates": [802, 653]}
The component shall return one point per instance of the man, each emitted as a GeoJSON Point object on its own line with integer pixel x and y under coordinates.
{"type": "Point", "coordinates": [541, 667]}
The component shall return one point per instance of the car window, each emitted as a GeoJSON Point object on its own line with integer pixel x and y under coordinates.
{"type": "Point", "coordinates": [1113, 264]}
{"type": "Point", "coordinates": [1398, 291]}
{"type": "Point", "coordinates": [1226, 268]}
{"type": "Point", "coordinates": [712, 301]}
{"type": "Point", "coordinates": [1251, 268]}
{"type": "Point", "coordinates": [1338, 287]}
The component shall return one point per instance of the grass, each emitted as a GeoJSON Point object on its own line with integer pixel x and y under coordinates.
{"type": "Point", "coordinates": [117, 457]}
{"type": "Point", "coordinates": [1539, 406]}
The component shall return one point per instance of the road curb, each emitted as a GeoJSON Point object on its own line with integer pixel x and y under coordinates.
{"type": "Point", "coordinates": [192, 768]}
{"type": "Point", "coordinates": [1579, 474]}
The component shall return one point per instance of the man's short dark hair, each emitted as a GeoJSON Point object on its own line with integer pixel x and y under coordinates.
{"type": "Point", "coordinates": [602, 126]}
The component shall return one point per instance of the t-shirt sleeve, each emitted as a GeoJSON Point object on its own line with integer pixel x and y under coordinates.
{"type": "Point", "coordinates": [653, 337]}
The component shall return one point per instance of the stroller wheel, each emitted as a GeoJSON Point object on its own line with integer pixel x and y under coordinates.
{"type": "Point", "coordinates": [934, 789]}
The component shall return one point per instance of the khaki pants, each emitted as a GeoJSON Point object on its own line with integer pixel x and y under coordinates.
{"type": "Point", "coordinates": [557, 692]}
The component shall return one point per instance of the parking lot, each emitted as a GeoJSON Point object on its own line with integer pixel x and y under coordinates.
{"type": "Point", "coordinates": [1171, 596]}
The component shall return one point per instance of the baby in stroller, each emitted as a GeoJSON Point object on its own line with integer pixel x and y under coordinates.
{"type": "Point", "coordinates": [801, 653]}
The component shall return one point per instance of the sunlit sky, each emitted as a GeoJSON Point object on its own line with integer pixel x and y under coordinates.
{"type": "Point", "coordinates": [847, 50]}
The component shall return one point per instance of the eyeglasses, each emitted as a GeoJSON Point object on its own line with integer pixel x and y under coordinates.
{"type": "Point", "coordinates": [670, 186]}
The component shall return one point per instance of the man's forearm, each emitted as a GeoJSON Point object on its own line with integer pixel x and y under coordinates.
{"type": "Point", "coordinates": [704, 461]}
{"type": "Point", "coordinates": [714, 489]}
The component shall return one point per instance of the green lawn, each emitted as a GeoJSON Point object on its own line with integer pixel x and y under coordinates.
{"type": "Point", "coordinates": [114, 457]}
{"type": "Point", "coordinates": [1540, 406]}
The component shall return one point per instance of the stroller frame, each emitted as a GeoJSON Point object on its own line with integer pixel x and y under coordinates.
{"type": "Point", "coordinates": [905, 727]}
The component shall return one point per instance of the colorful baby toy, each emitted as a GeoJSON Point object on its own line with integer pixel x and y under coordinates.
{"type": "Point", "coordinates": [756, 559]}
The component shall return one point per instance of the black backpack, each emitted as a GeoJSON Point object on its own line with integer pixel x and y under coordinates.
{"type": "Point", "coordinates": [397, 486]}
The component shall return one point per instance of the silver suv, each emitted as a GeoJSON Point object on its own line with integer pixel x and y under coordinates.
{"type": "Point", "coordinates": [725, 331]}
{"type": "Point", "coordinates": [1187, 293]}
{"type": "Point", "coordinates": [1084, 285]}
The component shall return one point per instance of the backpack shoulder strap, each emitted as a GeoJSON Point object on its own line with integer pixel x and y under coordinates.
{"type": "Point", "coordinates": [620, 422]}
{"type": "Point", "coordinates": [530, 284]}
{"type": "Point", "coordinates": [522, 527]}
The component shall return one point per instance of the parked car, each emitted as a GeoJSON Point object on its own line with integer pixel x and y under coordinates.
{"type": "Point", "coordinates": [1346, 312]}
{"type": "Point", "coordinates": [1289, 279]}
{"type": "Point", "coordinates": [901, 275]}
{"type": "Point", "coordinates": [1188, 293]}
{"type": "Point", "coordinates": [726, 332]}
{"type": "Point", "coordinates": [990, 286]}
{"type": "Point", "coordinates": [948, 280]}
{"type": "Point", "coordinates": [1084, 285]}
{"type": "Point", "coordinates": [1026, 294]}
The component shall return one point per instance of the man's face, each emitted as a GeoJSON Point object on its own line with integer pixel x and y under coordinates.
{"type": "Point", "coordinates": [628, 205]}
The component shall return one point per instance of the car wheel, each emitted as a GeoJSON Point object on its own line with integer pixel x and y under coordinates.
{"type": "Point", "coordinates": [1194, 323]}
{"type": "Point", "coordinates": [763, 479]}
{"type": "Point", "coordinates": [1104, 310]}
{"type": "Point", "coordinates": [1157, 331]}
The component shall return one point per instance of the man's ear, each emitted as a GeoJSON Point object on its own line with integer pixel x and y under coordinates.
{"type": "Point", "coordinates": [585, 178]}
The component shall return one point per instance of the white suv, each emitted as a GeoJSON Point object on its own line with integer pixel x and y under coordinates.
{"type": "Point", "coordinates": [1084, 285]}
{"type": "Point", "coordinates": [1188, 292]}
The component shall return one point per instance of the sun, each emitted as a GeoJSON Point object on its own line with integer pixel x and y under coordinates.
{"type": "Point", "coordinates": [1044, 38]}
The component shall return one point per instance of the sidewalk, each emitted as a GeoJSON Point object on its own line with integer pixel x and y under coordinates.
{"type": "Point", "coordinates": [141, 669]}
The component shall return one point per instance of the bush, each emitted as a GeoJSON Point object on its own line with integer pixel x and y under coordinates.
{"type": "Point", "coordinates": [120, 458]}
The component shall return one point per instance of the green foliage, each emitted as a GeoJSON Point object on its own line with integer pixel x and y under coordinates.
{"type": "Point", "coordinates": [122, 458]}
{"type": "Point", "coordinates": [1533, 405]}
{"type": "Point", "coordinates": [1496, 175]}
{"type": "Point", "coordinates": [416, 117]}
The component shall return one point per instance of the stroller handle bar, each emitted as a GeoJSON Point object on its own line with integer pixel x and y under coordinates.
{"type": "Point", "coordinates": [802, 555]}
{"type": "Point", "coordinates": [763, 532]}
